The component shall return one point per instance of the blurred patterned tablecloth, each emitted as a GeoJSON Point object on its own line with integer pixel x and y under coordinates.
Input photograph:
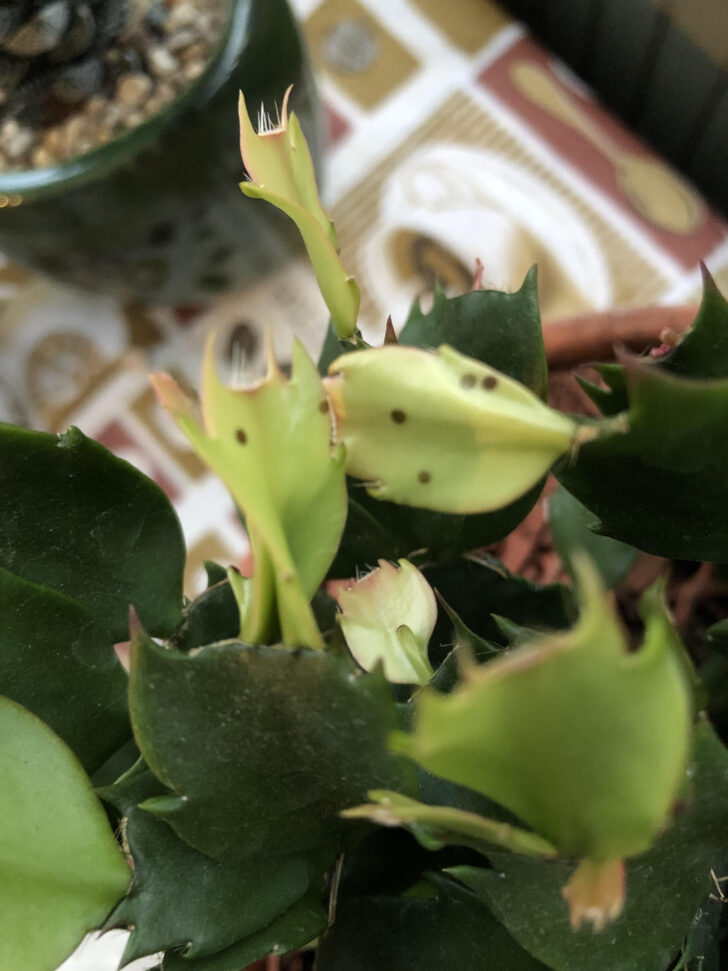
{"type": "Point", "coordinates": [453, 137]}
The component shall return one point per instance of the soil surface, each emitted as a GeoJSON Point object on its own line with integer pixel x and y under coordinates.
{"type": "Point", "coordinates": [164, 47]}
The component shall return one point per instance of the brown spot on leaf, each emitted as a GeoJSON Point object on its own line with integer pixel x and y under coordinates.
{"type": "Point", "coordinates": [424, 477]}
{"type": "Point", "coordinates": [490, 382]}
{"type": "Point", "coordinates": [398, 416]}
{"type": "Point", "coordinates": [241, 436]}
{"type": "Point", "coordinates": [468, 381]}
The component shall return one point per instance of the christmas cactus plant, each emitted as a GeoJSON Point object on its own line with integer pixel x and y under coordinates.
{"type": "Point", "coordinates": [432, 763]}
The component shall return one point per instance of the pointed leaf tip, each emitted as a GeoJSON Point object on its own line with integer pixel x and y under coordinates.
{"type": "Point", "coordinates": [170, 395]}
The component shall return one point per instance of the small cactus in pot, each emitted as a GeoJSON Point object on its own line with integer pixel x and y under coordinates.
{"type": "Point", "coordinates": [76, 73]}
{"type": "Point", "coordinates": [138, 108]}
{"type": "Point", "coordinates": [56, 53]}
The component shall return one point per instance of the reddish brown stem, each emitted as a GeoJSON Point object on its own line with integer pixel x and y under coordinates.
{"type": "Point", "coordinates": [592, 336]}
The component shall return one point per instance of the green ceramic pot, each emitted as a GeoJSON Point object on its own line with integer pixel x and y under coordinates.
{"type": "Point", "coordinates": [156, 215]}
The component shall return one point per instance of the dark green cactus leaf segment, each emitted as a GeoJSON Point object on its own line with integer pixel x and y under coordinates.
{"type": "Point", "coordinates": [59, 663]}
{"type": "Point", "coordinates": [665, 886]}
{"type": "Point", "coordinates": [662, 485]}
{"type": "Point", "coordinates": [610, 400]}
{"type": "Point", "coordinates": [702, 351]}
{"type": "Point", "coordinates": [305, 738]}
{"type": "Point", "coordinates": [464, 644]}
{"type": "Point", "coordinates": [300, 925]}
{"type": "Point", "coordinates": [378, 529]}
{"type": "Point", "coordinates": [714, 675]}
{"type": "Point", "coordinates": [667, 484]}
{"type": "Point", "coordinates": [445, 926]}
{"type": "Point", "coordinates": [478, 588]}
{"type": "Point", "coordinates": [333, 347]}
{"type": "Point", "coordinates": [163, 905]}
{"type": "Point", "coordinates": [502, 330]}
{"type": "Point", "coordinates": [570, 524]}
{"type": "Point", "coordinates": [213, 616]}
{"type": "Point", "coordinates": [91, 527]}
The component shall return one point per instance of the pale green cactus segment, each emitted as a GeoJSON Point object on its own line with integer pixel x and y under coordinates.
{"type": "Point", "coordinates": [436, 826]}
{"type": "Point", "coordinates": [340, 291]}
{"type": "Point", "coordinates": [584, 741]}
{"type": "Point", "coordinates": [278, 159]}
{"type": "Point", "coordinates": [258, 440]}
{"type": "Point", "coordinates": [389, 616]}
{"type": "Point", "coordinates": [440, 430]}
{"type": "Point", "coordinates": [256, 598]}
{"type": "Point", "coordinates": [279, 164]}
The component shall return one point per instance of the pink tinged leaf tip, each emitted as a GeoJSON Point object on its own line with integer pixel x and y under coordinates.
{"type": "Point", "coordinates": [389, 616]}
{"type": "Point", "coordinates": [169, 394]}
{"type": "Point", "coordinates": [478, 276]}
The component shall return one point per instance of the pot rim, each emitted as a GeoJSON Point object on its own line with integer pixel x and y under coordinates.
{"type": "Point", "coordinates": [31, 184]}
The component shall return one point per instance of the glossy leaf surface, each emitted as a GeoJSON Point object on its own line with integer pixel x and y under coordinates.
{"type": "Point", "coordinates": [702, 351]}
{"type": "Point", "coordinates": [662, 486]}
{"type": "Point", "coordinates": [213, 616]}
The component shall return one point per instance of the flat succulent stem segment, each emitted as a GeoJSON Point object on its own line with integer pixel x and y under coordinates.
{"type": "Point", "coordinates": [440, 430]}
{"type": "Point", "coordinates": [258, 440]}
{"type": "Point", "coordinates": [582, 740]}
{"type": "Point", "coordinates": [61, 870]}
{"type": "Point", "coordinates": [279, 165]}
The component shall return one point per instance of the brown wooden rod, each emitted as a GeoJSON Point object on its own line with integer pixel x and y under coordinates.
{"type": "Point", "coordinates": [593, 336]}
